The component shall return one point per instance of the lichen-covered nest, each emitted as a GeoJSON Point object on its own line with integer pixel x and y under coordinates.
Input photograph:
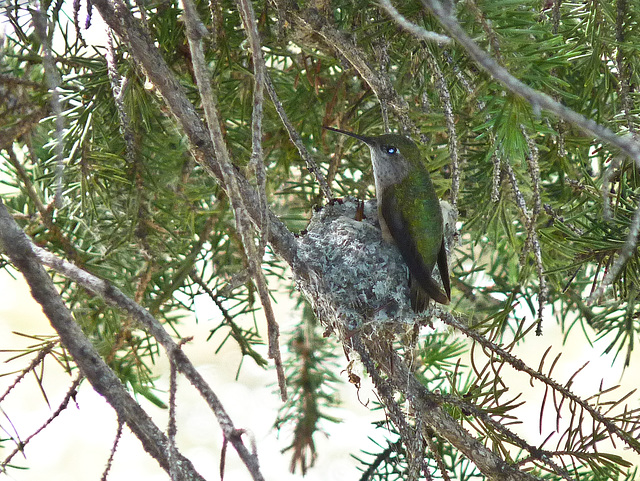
{"type": "Point", "coordinates": [354, 278]}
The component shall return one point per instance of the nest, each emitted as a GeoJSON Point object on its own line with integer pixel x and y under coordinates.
{"type": "Point", "coordinates": [351, 276]}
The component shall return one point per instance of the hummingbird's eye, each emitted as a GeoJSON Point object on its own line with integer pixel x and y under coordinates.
{"type": "Point", "coordinates": [391, 150]}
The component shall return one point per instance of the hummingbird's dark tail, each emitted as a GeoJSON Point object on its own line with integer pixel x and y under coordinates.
{"type": "Point", "coordinates": [420, 297]}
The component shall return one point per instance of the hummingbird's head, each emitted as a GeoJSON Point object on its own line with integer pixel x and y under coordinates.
{"type": "Point", "coordinates": [392, 156]}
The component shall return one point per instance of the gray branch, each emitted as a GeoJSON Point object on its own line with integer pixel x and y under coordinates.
{"type": "Point", "coordinates": [44, 292]}
{"type": "Point", "coordinates": [147, 55]}
{"type": "Point", "coordinates": [20, 250]}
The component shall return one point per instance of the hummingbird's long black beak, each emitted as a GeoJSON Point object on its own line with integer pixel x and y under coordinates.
{"type": "Point", "coordinates": [363, 138]}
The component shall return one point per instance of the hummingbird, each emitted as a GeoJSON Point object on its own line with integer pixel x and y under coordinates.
{"type": "Point", "coordinates": [409, 213]}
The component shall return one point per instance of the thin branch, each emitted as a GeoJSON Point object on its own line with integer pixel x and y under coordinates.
{"type": "Point", "coordinates": [257, 154]}
{"type": "Point", "coordinates": [412, 28]}
{"type": "Point", "coordinates": [532, 243]}
{"type": "Point", "coordinates": [445, 100]}
{"type": "Point", "coordinates": [195, 32]}
{"type": "Point", "coordinates": [496, 177]}
{"type": "Point", "coordinates": [237, 332]}
{"type": "Point", "coordinates": [519, 365]}
{"type": "Point", "coordinates": [535, 453]}
{"type": "Point", "coordinates": [40, 20]}
{"type": "Point", "coordinates": [116, 440]}
{"type": "Point", "coordinates": [118, 87]}
{"type": "Point", "coordinates": [115, 297]}
{"type": "Point", "coordinates": [624, 70]}
{"type": "Point", "coordinates": [534, 173]}
{"type": "Point", "coordinates": [172, 428]}
{"type": "Point", "coordinates": [42, 353]}
{"type": "Point", "coordinates": [71, 394]}
{"type": "Point", "coordinates": [6, 79]}
{"type": "Point", "coordinates": [24, 125]}
{"type": "Point", "coordinates": [297, 141]}
{"type": "Point", "coordinates": [22, 253]}
{"type": "Point", "coordinates": [609, 173]}
{"type": "Point", "coordinates": [28, 185]}
{"type": "Point", "coordinates": [532, 236]}
{"type": "Point", "coordinates": [409, 435]}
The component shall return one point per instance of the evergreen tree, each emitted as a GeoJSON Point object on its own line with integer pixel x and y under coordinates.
{"type": "Point", "coordinates": [187, 157]}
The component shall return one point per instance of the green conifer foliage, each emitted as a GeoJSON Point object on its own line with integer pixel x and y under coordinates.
{"type": "Point", "coordinates": [184, 155]}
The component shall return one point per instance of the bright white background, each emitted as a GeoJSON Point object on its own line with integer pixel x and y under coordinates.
{"type": "Point", "coordinates": [77, 444]}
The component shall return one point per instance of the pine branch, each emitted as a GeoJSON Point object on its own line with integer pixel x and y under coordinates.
{"type": "Point", "coordinates": [310, 21]}
{"type": "Point", "coordinates": [22, 254]}
{"type": "Point", "coordinates": [27, 257]}
{"type": "Point", "coordinates": [537, 99]}
{"type": "Point", "coordinates": [146, 54]}
{"type": "Point", "coordinates": [519, 365]}
{"type": "Point", "coordinates": [195, 32]}
{"type": "Point", "coordinates": [71, 394]}
{"type": "Point", "coordinates": [376, 359]}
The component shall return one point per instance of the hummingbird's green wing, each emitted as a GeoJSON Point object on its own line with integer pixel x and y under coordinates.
{"type": "Point", "coordinates": [404, 234]}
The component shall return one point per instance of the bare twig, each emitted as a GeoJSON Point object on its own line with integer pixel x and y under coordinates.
{"type": "Point", "coordinates": [115, 297]}
{"type": "Point", "coordinates": [76, 22]}
{"type": "Point", "coordinates": [195, 31]}
{"type": "Point", "coordinates": [40, 20]}
{"type": "Point", "coordinates": [297, 141]}
{"type": "Point", "coordinates": [534, 173]}
{"type": "Point", "coordinates": [116, 440]}
{"type": "Point", "coordinates": [23, 126]}
{"type": "Point", "coordinates": [411, 438]}
{"type": "Point", "coordinates": [23, 256]}
{"type": "Point", "coordinates": [71, 393]}
{"type": "Point", "coordinates": [607, 176]}
{"type": "Point", "coordinates": [532, 232]}
{"type": "Point", "coordinates": [172, 428]}
{"type": "Point", "coordinates": [28, 185]}
{"type": "Point", "coordinates": [42, 353]}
